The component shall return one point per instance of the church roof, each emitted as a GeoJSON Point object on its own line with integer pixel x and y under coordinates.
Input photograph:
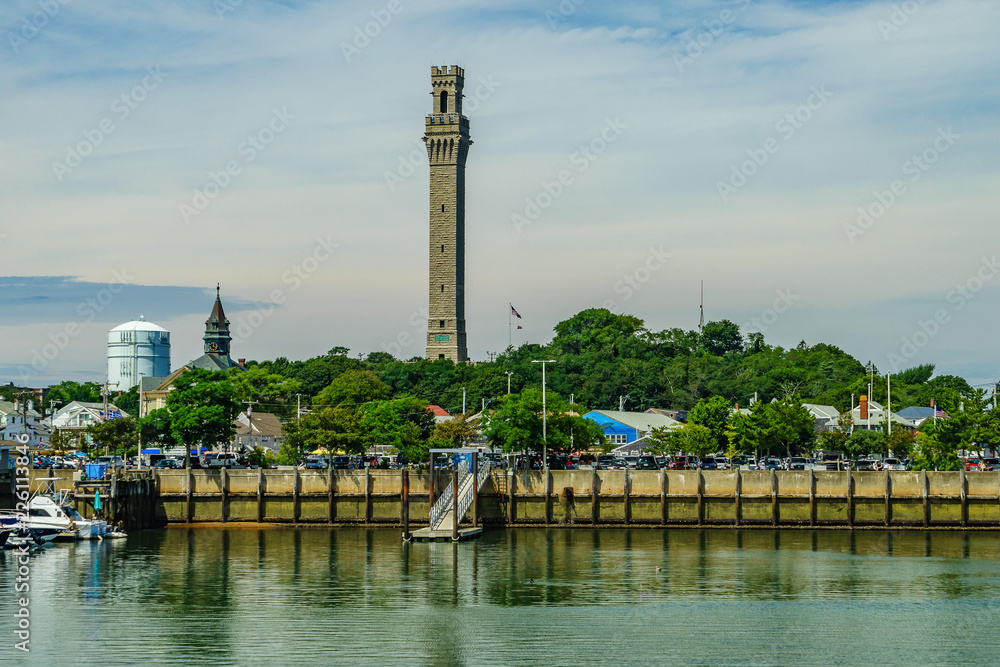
{"type": "Point", "coordinates": [217, 319]}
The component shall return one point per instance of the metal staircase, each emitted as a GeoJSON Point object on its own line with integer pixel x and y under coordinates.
{"type": "Point", "coordinates": [442, 514]}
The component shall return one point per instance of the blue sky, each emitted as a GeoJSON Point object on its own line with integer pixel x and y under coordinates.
{"type": "Point", "coordinates": [271, 149]}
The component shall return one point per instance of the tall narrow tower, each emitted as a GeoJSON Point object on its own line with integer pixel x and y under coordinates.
{"type": "Point", "coordinates": [446, 134]}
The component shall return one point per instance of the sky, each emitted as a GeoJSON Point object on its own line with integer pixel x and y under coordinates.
{"type": "Point", "coordinates": [828, 169]}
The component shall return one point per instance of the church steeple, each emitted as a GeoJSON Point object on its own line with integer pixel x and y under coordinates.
{"type": "Point", "coordinates": [217, 338]}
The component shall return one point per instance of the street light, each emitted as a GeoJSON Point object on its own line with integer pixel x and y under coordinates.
{"type": "Point", "coordinates": [509, 373]}
{"type": "Point", "coordinates": [545, 448]}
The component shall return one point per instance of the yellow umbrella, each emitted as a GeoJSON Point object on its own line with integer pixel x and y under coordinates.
{"type": "Point", "coordinates": [321, 450]}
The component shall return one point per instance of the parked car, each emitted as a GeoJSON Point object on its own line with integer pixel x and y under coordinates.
{"type": "Point", "coordinates": [892, 463]}
{"type": "Point", "coordinates": [684, 463]}
{"type": "Point", "coordinates": [772, 463]}
{"type": "Point", "coordinates": [751, 463]}
{"type": "Point", "coordinates": [112, 461]}
{"type": "Point", "coordinates": [864, 464]}
{"type": "Point", "coordinates": [646, 463]}
{"type": "Point", "coordinates": [316, 462]}
{"type": "Point", "coordinates": [972, 463]}
{"type": "Point", "coordinates": [708, 463]}
{"type": "Point", "coordinates": [989, 464]}
{"type": "Point", "coordinates": [722, 463]}
{"type": "Point", "coordinates": [342, 463]}
{"type": "Point", "coordinates": [168, 464]}
{"type": "Point", "coordinates": [797, 463]}
{"type": "Point", "coordinates": [662, 461]}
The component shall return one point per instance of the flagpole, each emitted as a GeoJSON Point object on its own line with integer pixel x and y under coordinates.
{"type": "Point", "coordinates": [510, 309]}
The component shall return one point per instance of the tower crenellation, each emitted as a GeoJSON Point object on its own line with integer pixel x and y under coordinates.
{"type": "Point", "coordinates": [446, 135]}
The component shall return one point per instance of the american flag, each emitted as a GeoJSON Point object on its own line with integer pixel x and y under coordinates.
{"type": "Point", "coordinates": [938, 412]}
{"type": "Point", "coordinates": [515, 313]}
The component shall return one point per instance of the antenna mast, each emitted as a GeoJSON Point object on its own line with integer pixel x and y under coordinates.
{"type": "Point", "coordinates": [701, 322]}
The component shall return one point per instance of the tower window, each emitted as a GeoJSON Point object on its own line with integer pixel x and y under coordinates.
{"type": "Point", "coordinates": [440, 356]}
{"type": "Point", "coordinates": [441, 324]}
{"type": "Point", "coordinates": [442, 288]}
{"type": "Point", "coordinates": [444, 101]}
{"type": "Point", "coordinates": [442, 247]}
{"type": "Point", "coordinates": [442, 208]}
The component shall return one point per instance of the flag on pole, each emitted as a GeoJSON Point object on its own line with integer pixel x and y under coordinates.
{"type": "Point", "coordinates": [519, 326]}
{"type": "Point", "coordinates": [938, 412]}
{"type": "Point", "coordinates": [515, 314]}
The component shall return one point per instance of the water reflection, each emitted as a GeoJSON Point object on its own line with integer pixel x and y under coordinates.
{"type": "Point", "coordinates": [245, 595]}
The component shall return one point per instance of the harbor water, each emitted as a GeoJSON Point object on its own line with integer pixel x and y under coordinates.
{"type": "Point", "coordinates": [249, 595]}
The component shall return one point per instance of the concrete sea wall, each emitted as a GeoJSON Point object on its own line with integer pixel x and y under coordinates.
{"type": "Point", "coordinates": [586, 497]}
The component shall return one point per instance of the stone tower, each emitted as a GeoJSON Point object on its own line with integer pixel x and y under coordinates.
{"type": "Point", "coordinates": [446, 134]}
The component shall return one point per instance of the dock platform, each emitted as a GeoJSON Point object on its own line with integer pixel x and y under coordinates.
{"type": "Point", "coordinates": [428, 535]}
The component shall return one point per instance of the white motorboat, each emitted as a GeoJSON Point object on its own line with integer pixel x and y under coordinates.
{"type": "Point", "coordinates": [47, 511]}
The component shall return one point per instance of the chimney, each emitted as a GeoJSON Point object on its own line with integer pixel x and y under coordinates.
{"type": "Point", "coordinates": [864, 406]}
{"type": "Point", "coordinates": [932, 402]}
{"type": "Point", "coordinates": [241, 362]}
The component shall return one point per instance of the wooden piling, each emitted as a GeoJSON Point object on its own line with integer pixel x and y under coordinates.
{"type": "Point", "coordinates": [260, 495]}
{"type": "Point", "coordinates": [454, 506]}
{"type": "Point", "coordinates": [926, 493]}
{"type": "Point", "coordinates": [295, 496]}
{"type": "Point", "coordinates": [850, 498]}
{"type": "Point", "coordinates": [625, 496]}
{"type": "Point", "coordinates": [404, 508]}
{"type": "Point", "coordinates": [189, 489]}
{"type": "Point", "coordinates": [812, 497]}
{"type": "Point", "coordinates": [475, 493]}
{"type": "Point", "coordinates": [774, 497]}
{"type": "Point", "coordinates": [368, 494]}
{"type": "Point", "coordinates": [737, 498]}
{"type": "Point", "coordinates": [330, 512]}
{"type": "Point", "coordinates": [888, 502]}
{"type": "Point", "coordinates": [595, 504]}
{"type": "Point", "coordinates": [663, 496]}
{"type": "Point", "coordinates": [701, 496]}
{"type": "Point", "coordinates": [511, 480]}
{"type": "Point", "coordinates": [963, 492]}
{"type": "Point", "coordinates": [547, 486]}
{"type": "Point", "coordinates": [225, 495]}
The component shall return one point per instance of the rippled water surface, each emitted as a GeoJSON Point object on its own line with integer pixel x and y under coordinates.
{"type": "Point", "coordinates": [283, 595]}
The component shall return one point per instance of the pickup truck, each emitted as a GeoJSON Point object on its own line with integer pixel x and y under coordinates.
{"type": "Point", "coordinates": [224, 461]}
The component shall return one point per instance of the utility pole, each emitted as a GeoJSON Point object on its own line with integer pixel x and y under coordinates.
{"type": "Point", "coordinates": [298, 407]}
{"type": "Point", "coordinates": [250, 405]}
{"type": "Point", "coordinates": [545, 444]}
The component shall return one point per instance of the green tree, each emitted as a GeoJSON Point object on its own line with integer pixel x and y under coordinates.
{"type": "Point", "coordinates": [516, 424]}
{"type": "Point", "coordinates": [686, 439]}
{"type": "Point", "coordinates": [457, 432]}
{"type": "Point", "coordinates": [115, 436]}
{"type": "Point", "coordinates": [336, 429]}
{"type": "Point", "coordinates": [786, 425]}
{"type": "Point", "coordinates": [353, 388]}
{"type": "Point", "coordinates": [403, 423]}
{"type": "Point", "coordinates": [863, 442]}
{"type": "Point", "coordinates": [274, 392]}
{"type": "Point", "coordinates": [714, 414]}
{"type": "Point", "coordinates": [717, 338]}
{"type": "Point", "coordinates": [203, 409]}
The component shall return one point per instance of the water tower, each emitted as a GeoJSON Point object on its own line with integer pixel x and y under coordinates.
{"type": "Point", "coordinates": [137, 348]}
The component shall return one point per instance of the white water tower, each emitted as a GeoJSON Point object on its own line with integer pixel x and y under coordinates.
{"type": "Point", "coordinates": [137, 348]}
